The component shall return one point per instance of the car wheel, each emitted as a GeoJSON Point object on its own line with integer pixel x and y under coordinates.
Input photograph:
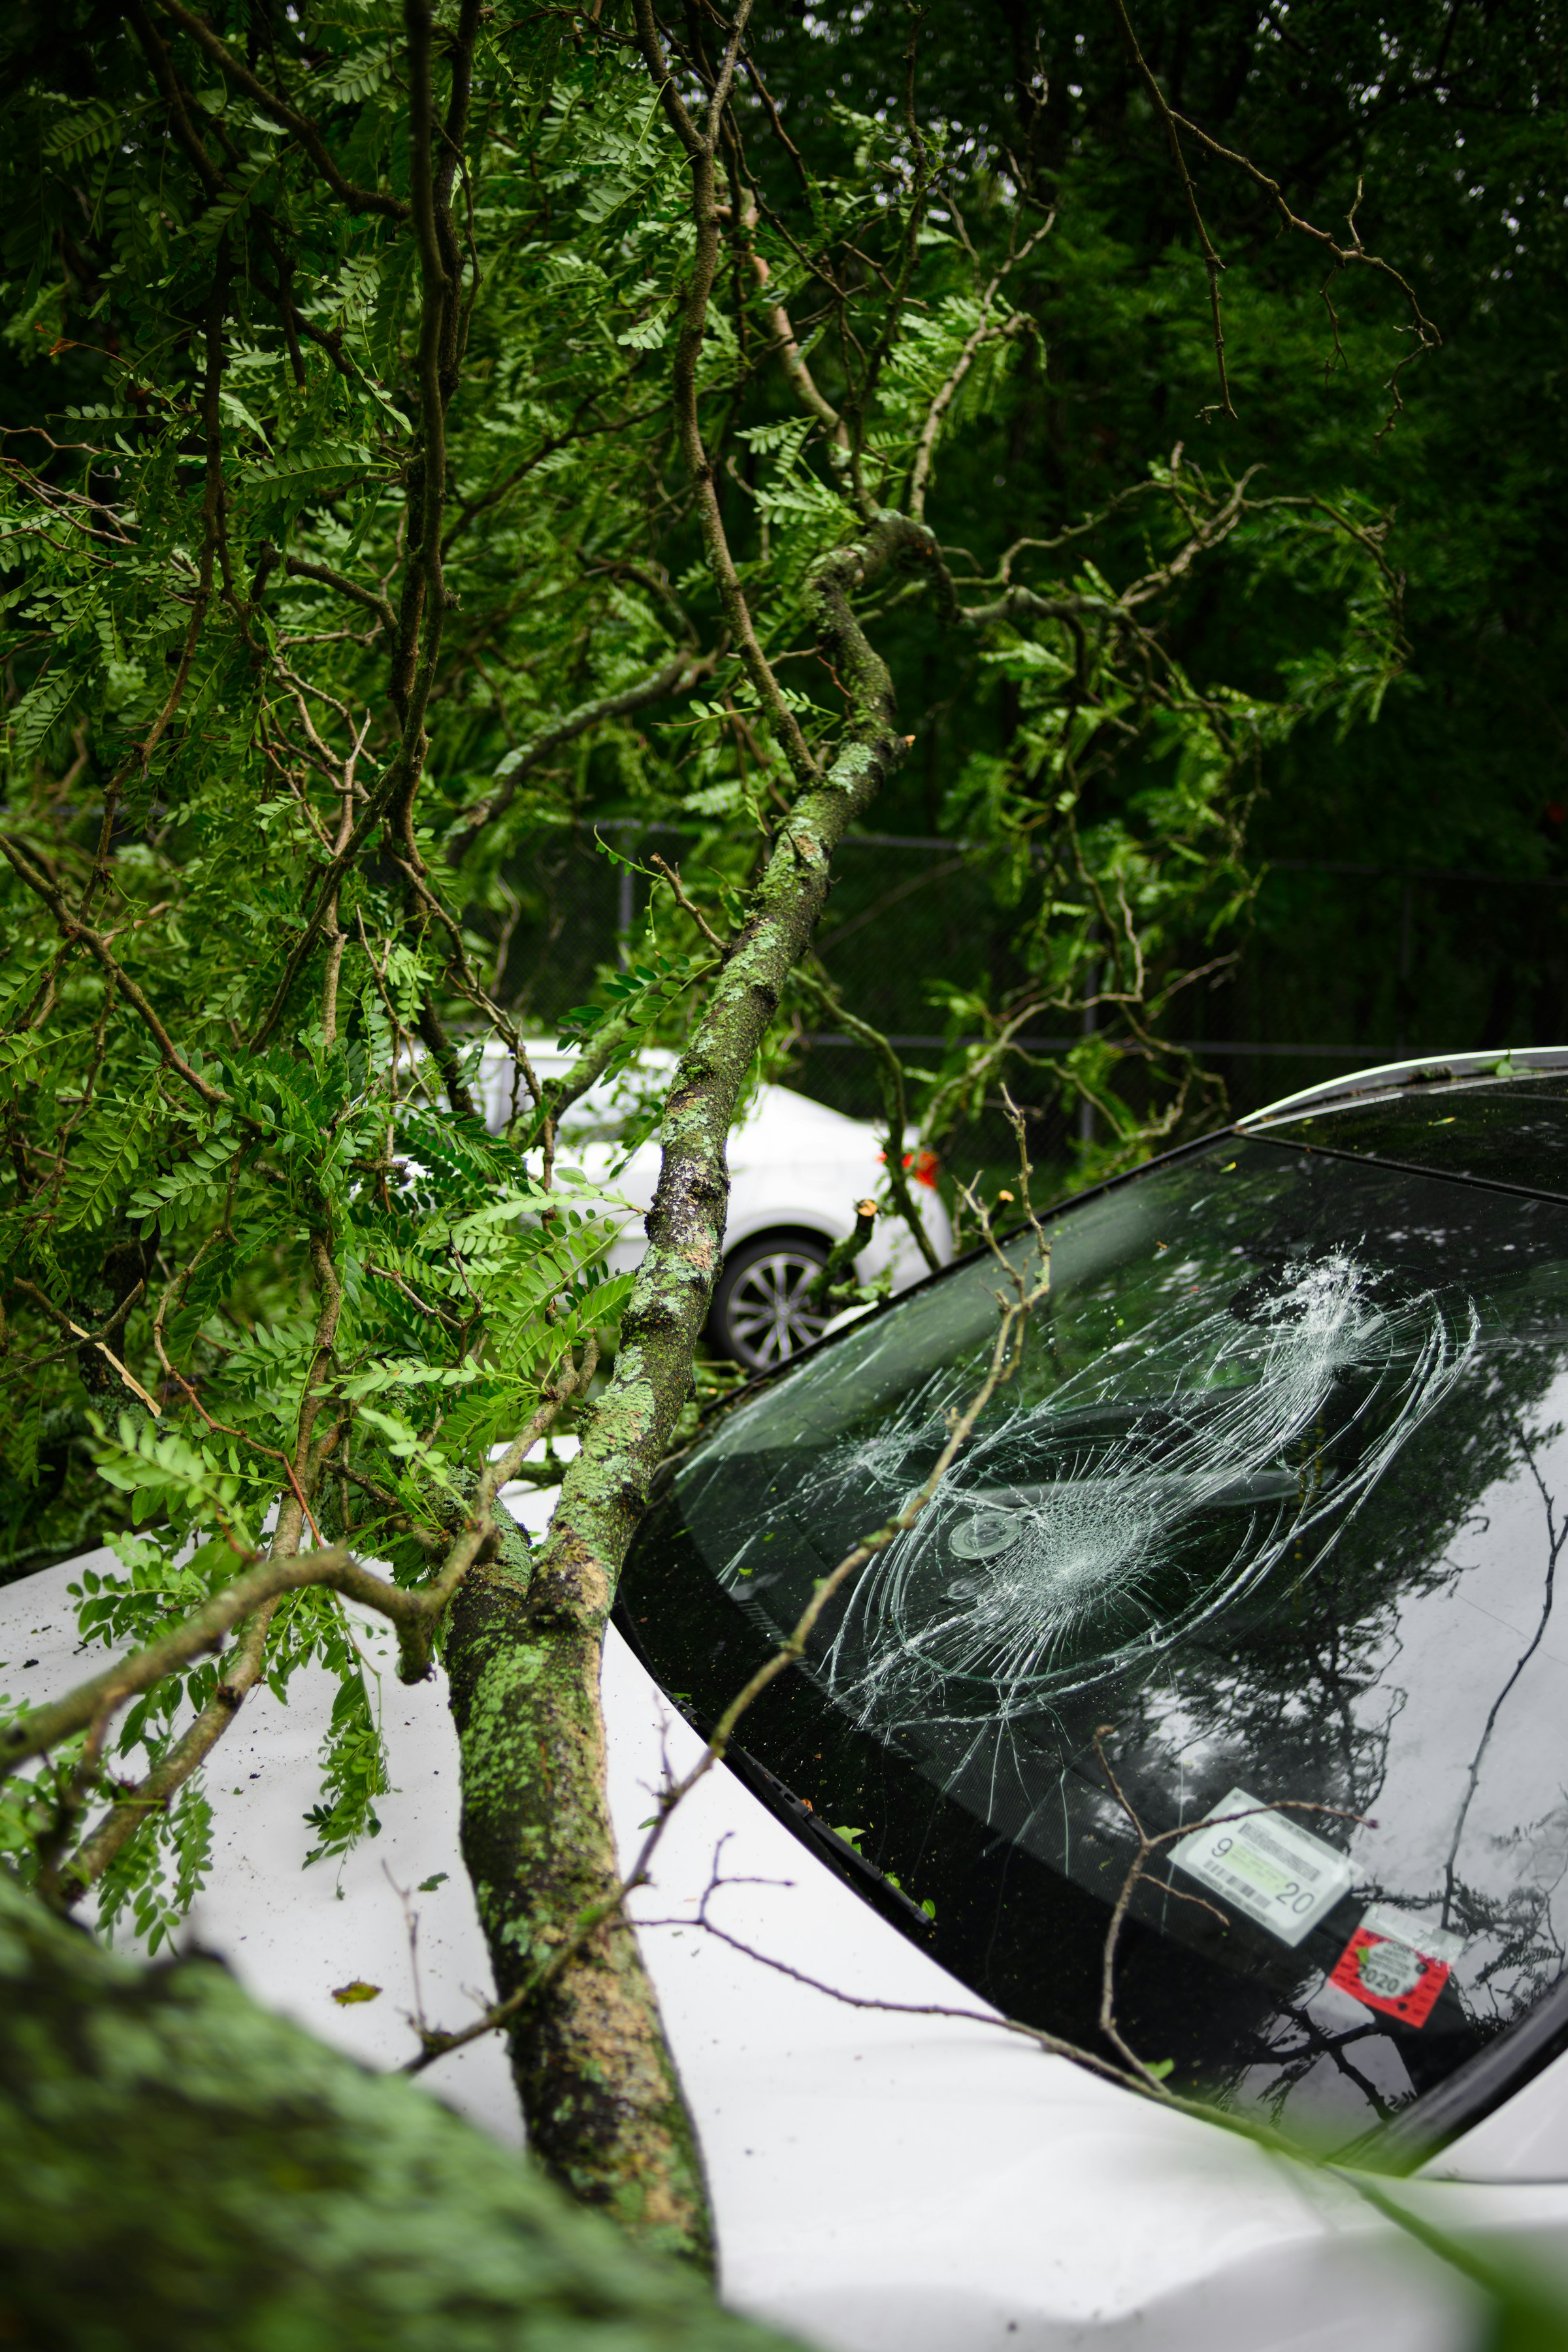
{"type": "Point", "coordinates": [760, 1313]}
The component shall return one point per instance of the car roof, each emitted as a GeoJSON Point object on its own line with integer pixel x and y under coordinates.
{"type": "Point", "coordinates": [1428, 1070]}
{"type": "Point", "coordinates": [774, 1106]}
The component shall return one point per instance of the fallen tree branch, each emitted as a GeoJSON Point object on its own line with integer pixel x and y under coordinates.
{"type": "Point", "coordinates": [414, 1612]}
{"type": "Point", "coordinates": [676, 677]}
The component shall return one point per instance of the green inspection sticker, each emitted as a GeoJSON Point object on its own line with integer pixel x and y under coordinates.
{"type": "Point", "coordinates": [1264, 1865]}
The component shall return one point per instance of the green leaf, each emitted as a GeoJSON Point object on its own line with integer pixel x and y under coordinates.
{"type": "Point", "coordinates": [103, 1162]}
{"type": "Point", "coordinates": [348, 1995]}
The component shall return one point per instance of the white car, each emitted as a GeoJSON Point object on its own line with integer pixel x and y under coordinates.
{"type": "Point", "coordinates": [1281, 1497]}
{"type": "Point", "coordinates": [796, 1171]}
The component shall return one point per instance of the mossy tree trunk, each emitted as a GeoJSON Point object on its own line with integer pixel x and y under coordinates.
{"type": "Point", "coordinates": [597, 2083]}
{"type": "Point", "coordinates": [179, 2168]}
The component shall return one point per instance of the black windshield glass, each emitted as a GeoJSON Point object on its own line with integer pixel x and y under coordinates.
{"type": "Point", "coordinates": [1278, 1496]}
{"type": "Point", "coordinates": [1513, 1131]}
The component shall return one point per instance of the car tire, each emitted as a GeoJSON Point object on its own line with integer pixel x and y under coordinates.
{"type": "Point", "coordinates": [758, 1317]}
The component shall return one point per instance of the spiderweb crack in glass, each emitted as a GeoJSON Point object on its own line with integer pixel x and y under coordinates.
{"type": "Point", "coordinates": [1276, 1490]}
{"type": "Point", "coordinates": [1082, 1529]}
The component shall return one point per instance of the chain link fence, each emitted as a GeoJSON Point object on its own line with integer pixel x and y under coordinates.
{"type": "Point", "coordinates": [1345, 965]}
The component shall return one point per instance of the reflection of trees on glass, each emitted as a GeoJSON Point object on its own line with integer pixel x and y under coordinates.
{"type": "Point", "coordinates": [1533, 1943]}
{"type": "Point", "coordinates": [1556, 1531]}
{"type": "Point", "coordinates": [1318, 1691]}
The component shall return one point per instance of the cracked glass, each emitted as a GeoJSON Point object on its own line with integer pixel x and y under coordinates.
{"type": "Point", "coordinates": [1276, 1498]}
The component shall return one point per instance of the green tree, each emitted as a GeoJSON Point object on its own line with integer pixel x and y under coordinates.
{"type": "Point", "coordinates": [468, 425]}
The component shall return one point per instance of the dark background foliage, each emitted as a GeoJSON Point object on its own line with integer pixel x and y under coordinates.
{"type": "Point", "coordinates": [1406, 905]}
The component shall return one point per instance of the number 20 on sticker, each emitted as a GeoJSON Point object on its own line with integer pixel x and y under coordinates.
{"type": "Point", "coordinates": [1265, 1866]}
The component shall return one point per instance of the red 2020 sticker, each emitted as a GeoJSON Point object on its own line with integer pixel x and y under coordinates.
{"type": "Point", "coordinates": [1396, 1964]}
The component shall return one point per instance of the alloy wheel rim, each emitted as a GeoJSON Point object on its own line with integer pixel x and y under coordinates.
{"type": "Point", "coordinates": [768, 1317]}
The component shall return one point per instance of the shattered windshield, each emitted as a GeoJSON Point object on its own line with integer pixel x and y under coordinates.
{"type": "Point", "coordinates": [1273, 1505]}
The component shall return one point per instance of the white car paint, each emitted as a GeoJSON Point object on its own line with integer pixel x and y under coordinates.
{"type": "Point", "coordinates": [1388, 1077]}
{"type": "Point", "coordinates": [794, 1164]}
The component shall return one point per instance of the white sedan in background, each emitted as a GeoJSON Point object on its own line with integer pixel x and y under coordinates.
{"type": "Point", "coordinates": [796, 1171]}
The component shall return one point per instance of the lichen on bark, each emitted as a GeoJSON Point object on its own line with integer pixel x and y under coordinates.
{"type": "Point", "coordinates": [594, 2072]}
{"type": "Point", "coordinates": [598, 2082]}
{"type": "Point", "coordinates": [179, 2168]}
